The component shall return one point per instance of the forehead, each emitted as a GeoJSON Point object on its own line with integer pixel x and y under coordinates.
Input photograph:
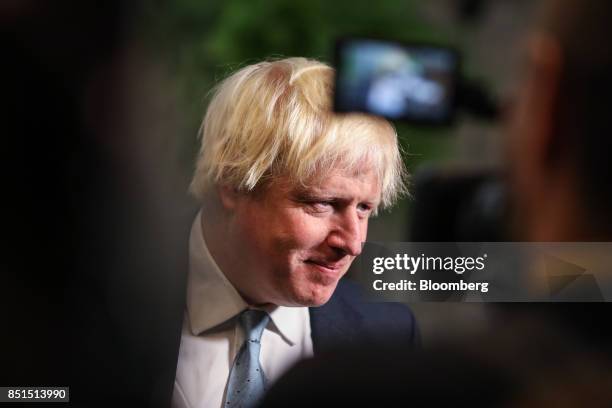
{"type": "Point", "coordinates": [360, 184]}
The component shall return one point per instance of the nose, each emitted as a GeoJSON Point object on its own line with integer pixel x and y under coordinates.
{"type": "Point", "coordinates": [346, 233]}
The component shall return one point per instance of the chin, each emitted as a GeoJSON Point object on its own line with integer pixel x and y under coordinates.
{"type": "Point", "coordinates": [314, 295]}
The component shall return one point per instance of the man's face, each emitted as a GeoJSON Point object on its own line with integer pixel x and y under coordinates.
{"type": "Point", "coordinates": [296, 242]}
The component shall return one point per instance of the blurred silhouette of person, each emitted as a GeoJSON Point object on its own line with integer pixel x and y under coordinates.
{"type": "Point", "coordinates": [560, 179]}
{"type": "Point", "coordinates": [92, 289]}
{"type": "Point", "coordinates": [560, 175]}
{"type": "Point", "coordinates": [558, 150]}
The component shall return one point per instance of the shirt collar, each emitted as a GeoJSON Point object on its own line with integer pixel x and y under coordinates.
{"type": "Point", "coordinates": [213, 300]}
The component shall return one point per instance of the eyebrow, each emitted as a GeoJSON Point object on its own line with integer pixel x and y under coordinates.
{"type": "Point", "coordinates": [304, 195]}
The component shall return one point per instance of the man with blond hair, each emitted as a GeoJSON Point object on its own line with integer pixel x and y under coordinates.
{"type": "Point", "coordinates": [286, 189]}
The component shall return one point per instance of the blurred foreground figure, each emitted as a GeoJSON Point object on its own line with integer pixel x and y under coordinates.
{"type": "Point", "coordinates": [561, 189]}
{"type": "Point", "coordinates": [558, 149]}
{"type": "Point", "coordinates": [286, 189]}
{"type": "Point", "coordinates": [92, 288]}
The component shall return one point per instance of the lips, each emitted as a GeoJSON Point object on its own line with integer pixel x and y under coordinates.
{"type": "Point", "coordinates": [330, 266]}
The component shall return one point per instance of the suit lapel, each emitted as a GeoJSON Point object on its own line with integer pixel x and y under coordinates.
{"type": "Point", "coordinates": [337, 322]}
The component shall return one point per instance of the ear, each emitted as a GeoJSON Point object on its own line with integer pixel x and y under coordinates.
{"type": "Point", "coordinates": [542, 96]}
{"type": "Point", "coordinates": [228, 196]}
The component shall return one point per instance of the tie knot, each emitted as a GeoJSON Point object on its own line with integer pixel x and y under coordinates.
{"type": "Point", "coordinates": [254, 322]}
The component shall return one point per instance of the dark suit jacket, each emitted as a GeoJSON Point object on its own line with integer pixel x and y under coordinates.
{"type": "Point", "coordinates": [359, 347]}
{"type": "Point", "coordinates": [347, 320]}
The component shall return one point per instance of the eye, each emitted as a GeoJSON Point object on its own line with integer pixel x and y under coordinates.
{"type": "Point", "coordinates": [315, 204]}
{"type": "Point", "coordinates": [321, 205]}
{"type": "Point", "coordinates": [365, 208]}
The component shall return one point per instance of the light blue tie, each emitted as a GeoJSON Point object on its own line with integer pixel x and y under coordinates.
{"type": "Point", "coordinates": [247, 382]}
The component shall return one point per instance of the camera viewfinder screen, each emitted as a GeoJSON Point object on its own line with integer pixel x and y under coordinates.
{"type": "Point", "coordinates": [400, 82]}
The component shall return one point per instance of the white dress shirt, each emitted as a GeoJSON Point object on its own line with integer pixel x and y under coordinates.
{"type": "Point", "coordinates": [211, 337]}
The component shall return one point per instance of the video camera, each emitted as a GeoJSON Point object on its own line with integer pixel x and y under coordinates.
{"type": "Point", "coordinates": [422, 84]}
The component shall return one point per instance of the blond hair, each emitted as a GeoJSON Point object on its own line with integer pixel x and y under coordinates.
{"type": "Point", "coordinates": [275, 118]}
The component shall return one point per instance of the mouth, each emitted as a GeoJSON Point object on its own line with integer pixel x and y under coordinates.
{"type": "Point", "coordinates": [329, 268]}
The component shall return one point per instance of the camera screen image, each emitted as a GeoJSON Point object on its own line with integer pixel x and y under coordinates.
{"type": "Point", "coordinates": [415, 83]}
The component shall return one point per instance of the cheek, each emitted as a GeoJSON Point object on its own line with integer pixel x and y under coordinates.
{"type": "Point", "coordinates": [281, 238]}
{"type": "Point", "coordinates": [308, 233]}
{"type": "Point", "coordinates": [296, 232]}
{"type": "Point", "coordinates": [256, 233]}
{"type": "Point", "coordinates": [364, 230]}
